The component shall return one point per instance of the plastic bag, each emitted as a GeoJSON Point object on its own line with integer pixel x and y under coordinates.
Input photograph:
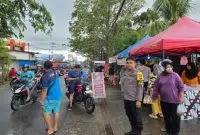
{"type": "Point", "coordinates": [181, 110]}
{"type": "Point", "coordinates": [147, 100]}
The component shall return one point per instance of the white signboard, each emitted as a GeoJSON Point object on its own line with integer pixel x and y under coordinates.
{"type": "Point", "coordinates": [99, 62]}
{"type": "Point", "coordinates": [121, 62]}
{"type": "Point", "coordinates": [112, 60]}
{"type": "Point", "coordinates": [98, 85]}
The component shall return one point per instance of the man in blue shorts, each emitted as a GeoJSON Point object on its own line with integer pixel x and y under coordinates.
{"type": "Point", "coordinates": [51, 96]}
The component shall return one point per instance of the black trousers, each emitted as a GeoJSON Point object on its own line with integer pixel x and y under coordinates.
{"type": "Point", "coordinates": [145, 90]}
{"type": "Point", "coordinates": [134, 115]}
{"type": "Point", "coordinates": [172, 120]}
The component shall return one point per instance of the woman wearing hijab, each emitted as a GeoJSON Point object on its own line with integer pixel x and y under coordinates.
{"type": "Point", "coordinates": [171, 90]}
{"type": "Point", "coordinates": [191, 75]}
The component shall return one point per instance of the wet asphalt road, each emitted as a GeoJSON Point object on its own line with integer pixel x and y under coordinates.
{"type": "Point", "coordinates": [108, 119]}
{"type": "Point", "coordinates": [28, 120]}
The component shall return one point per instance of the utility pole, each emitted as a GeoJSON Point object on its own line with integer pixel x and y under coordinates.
{"type": "Point", "coordinates": [28, 45]}
{"type": "Point", "coordinates": [49, 54]}
{"type": "Point", "coordinates": [103, 42]}
{"type": "Point", "coordinates": [52, 47]}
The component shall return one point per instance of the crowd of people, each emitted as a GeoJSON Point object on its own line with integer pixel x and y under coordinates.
{"type": "Point", "coordinates": [159, 82]}
{"type": "Point", "coordinates": [162, 85]}
{"type": "Point", "coordinates": [51, 92]}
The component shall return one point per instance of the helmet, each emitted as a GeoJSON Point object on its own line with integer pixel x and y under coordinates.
{"type": "Point", "coordinates": [25, 66]}
{"type": "Point", "coordinates": [166, 62]}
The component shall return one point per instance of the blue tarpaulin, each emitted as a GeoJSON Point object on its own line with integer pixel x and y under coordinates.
{"type": "Point", "coordinates": [26, 62]}
{"type": "Point", "coordinates": [125, 53]}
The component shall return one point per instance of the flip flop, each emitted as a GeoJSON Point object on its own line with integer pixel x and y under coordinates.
{"type": "Point", "coordinates": [55, 130]}
{"type": "Point", "coordinates": [51, 133]}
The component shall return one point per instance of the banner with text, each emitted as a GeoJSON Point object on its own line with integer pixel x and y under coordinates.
{"type": "Point", "coordinates": [98, 85]}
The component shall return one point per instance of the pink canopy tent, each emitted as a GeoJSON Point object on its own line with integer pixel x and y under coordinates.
{"type": "Point", "coordinates": [182, 37]}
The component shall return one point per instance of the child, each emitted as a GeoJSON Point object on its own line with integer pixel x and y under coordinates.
{"type": "Point", "coordinates": [156, 107]}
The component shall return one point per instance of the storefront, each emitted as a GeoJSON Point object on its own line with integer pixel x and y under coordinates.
{"type": "Point", "coordinates": [22, 58]}
{"type": "Point", "coordinates": [15, 45]}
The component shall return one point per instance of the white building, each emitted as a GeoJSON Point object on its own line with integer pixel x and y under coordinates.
{"type": "Point", "coordinates": [21, 58]}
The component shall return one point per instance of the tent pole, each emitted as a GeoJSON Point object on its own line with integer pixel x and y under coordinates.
{"type": "Point", "coordinates": [191, 57]}
{"type": "Point", "coordinates": [163, 55]}
{"type": "Point", "coordinates": [163, 51]}
{"type": "Point", "coordinates": [196, 55]}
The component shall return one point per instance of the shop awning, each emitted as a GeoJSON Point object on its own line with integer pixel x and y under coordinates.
{"type": "Point", "coordinates": [125, 53]}
{"type": "Point", "coordinates": [182, 37]}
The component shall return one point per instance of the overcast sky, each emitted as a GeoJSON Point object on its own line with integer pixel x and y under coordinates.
{"type": "Point", "coordinates": [61, 12]}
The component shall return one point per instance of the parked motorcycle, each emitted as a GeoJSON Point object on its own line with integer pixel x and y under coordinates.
{"type": "Point", "coordinates": [84, 94]}
{"type": "Point", "coordinates": [20, 93]}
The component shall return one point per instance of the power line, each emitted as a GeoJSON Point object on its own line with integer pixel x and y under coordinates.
{"type": "Point", "coordinates": [39, 48]}
{"type": "Point", "coordinates": [46, 41]}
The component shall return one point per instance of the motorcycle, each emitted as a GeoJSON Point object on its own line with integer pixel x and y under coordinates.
{"type": "Point", "coordinates": [20, 93]}
{"type": "Point", "coordinates": [83, 94]}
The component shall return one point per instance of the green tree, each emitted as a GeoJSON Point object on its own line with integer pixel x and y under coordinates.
{"type": "Point", "coordinates": [172, 10]}
{"type": "Point", "coordinates": [91, 22]}
{"type": "Point", "coordinates": [5, 60]}
{"type": "Point", "coordinates": [163, 14]}
{"type": "Point", "coordinates": [14, 13]}
{"type": "Point", "coordinates": [150, 23]}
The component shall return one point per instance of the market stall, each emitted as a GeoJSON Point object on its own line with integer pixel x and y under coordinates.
{"type": "Point", "coordinates": [180, 41]}
{"type": "Point", "coordinates": [183, 37]}
{"type": "Point", "coordinates": [125, 53]}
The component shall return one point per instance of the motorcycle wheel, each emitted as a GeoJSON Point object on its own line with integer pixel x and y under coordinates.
{"type": "Point", "coordinates": [15, 103]}
{"type": "Point", "coordinates": [89, 105]}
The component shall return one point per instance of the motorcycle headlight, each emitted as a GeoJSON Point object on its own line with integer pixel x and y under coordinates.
{"type": "Point", "coordinates": [18, 90]}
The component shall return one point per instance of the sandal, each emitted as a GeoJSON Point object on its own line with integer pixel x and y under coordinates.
{"type": "Point", "coordinates": [51, 133]}
{"type": "Point", "coordinates": [55, 130]}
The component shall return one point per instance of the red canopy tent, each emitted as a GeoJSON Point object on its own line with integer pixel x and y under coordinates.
{"type": "Point", "coordinates": [182, 37]}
